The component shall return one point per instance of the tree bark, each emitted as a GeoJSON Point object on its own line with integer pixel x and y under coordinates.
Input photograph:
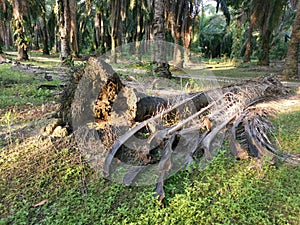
{"type": "Point", "coordinates": [2, 34]}
{"type": "Point", "coordinates": [97, 30]}
{"type": "Point", "coordinates": [19, 9]}
{"type": "Point", "coordinates": [44, 30]}
{"type": "Point", "coordinates": [9, 35]}
{"type": "Point", "coordinates": [247, 54]}
{"type": "Point", "coordinates": [73, 28]}
{"type": "Point", "coordinates": [292, 58]}
{"type": "Point", "coordinates": [187, 31]}
{"type": "Point", "coordinates": [263, 58]}
{"type": "Point", "coordinates": [6, 32]}
{"type": "Point", "coordinates": [103, 32]}
{"type": "Point", "coordinates": [21, 43]}
{"type": "Point", "coordinates": [64, 29]}
{"type": "Point", "coordinates": [36, 45]}
{"type": "Point", "coordinates": [176, 28]}
{"type": "Point", "coordinates": [160, 59]}
{"type": "Point", "coordinates": [268, 14]}
{"type": "Point", "coordinates": [139, 33]}
{"type": "Point", "coordinates": [115, 24]}
{"type": "Point", "coordinates": [56, 47]}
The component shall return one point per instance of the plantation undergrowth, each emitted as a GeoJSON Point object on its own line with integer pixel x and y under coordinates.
{"type": "Point", "coordinates": [46, 180]}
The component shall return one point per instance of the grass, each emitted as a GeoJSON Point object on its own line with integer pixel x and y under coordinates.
{"type": "Point", "coordinates": [287, 132]}
{"type": "Point", "coordinates": [44, 181]}
{"type": "Point", "coordinates": [18, 89]}
{"type": "Point", "coordinates": [226, 192]}
{"type": "Point", "coordinates": [219, 69]}
{"type": "Point", "coordinates": [237, 72]}
{"type": "Point", "coordinates": [240, 70]}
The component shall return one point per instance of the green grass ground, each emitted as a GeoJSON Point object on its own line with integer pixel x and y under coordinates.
{"type": "Point", "coordinates": [19, 89]}
{"type": "Point", "coordinates": [45, 181]}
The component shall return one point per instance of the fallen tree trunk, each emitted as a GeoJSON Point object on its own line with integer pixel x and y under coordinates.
{"type": "Point", "coordinates": [139, 139]}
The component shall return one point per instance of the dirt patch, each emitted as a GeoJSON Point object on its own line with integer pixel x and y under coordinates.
{"type": "Point", "coordinates": [25, 123]}
{"type": "Point", "coordinates": [286, 105]}
{"type": "Point", "coordinates": [53, 73]}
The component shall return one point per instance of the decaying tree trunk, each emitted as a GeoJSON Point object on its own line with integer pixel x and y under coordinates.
{"type": "Point", "coordinates": [118, 127]}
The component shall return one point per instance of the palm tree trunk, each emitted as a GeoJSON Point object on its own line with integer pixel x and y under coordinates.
{"type": "Point", "coordinates": [103, 33]}
{"type": "Point", "coordinates": [187, 28]}
{"type": "Point", "coordinates": [264, 59]}
{"type": "Point", "coordinates": [292, 57]}
{"type": "Point", "coordinates": [139, 34]}
{"type": "Point", "coordinates": [187, 41]}
{"type": "Point", "coordinates": [97, 30]}
{"type": "Point", "coordinates": [36, 35]}
{"type": "Point", "coordinates": [176, 26]}
{"type": "Point", "coordinates": [55, 48]}
{"type": "Point", "coordinates": [160, 58]}
{"type": "Point", "coordinates": [64, 29]}
{"type": "Point", "coordinates": [19, 9]}
{"type": "Point", "coordinates": [2, 34]}
{"type": "Point", "coordinates": [6, 33]}
{"type": "Point", "coordinates": [21, 41]}
{"type": "Point", "coordinates": [268, 14]}
{"type": "Point", "coordinates": [177, 55]}
{"type": "Point", "coordinates": [73, 27]}
{"type": "Point", "coordinates": [115, 20]}
{"type": "Point", "coordinates": [249, 39]}
{"type": "Point", "coordinates": [9, 35]}
{"type": "Point", "coordinates": [44, 30]}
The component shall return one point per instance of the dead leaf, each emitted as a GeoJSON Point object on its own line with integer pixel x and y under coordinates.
{"type": "Point", "coordinates": [40, 203]}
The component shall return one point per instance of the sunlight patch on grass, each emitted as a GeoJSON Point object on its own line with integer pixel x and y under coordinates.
{"type": "Point", "coordinates": [237, 73]}
{"type": "Point", "coordinates": [20, 88]}
{"type": "Point", "coordinates": [287, 131]}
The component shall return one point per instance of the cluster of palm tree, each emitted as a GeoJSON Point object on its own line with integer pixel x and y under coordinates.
{"type": "Point", "coordinates": [71, 27]}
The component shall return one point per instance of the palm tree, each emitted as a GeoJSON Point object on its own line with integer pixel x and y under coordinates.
{"type": "Point", "coordinates": [5, 26]}
{"type": "Point", "coordinates": [267, 14]}
{"type": "Point", "coordinates": [176, 19]}
{"type": "Point", "coordinates": [292, 58]}
{"type": "Point", "coordinates": [160, 59]}
{"type": "Point", "coordinates": [264, 15]}
{"type": "Point", "coordinates": [19, 10]}
{"type": "Point", "coordinates": [190, 10]}
{"type": "Point", "coordinates": [251, 18]}
{"type": "Point", "coordinates": [2, 19]}
{"type": "Point", "coordinates": [66, 15]}
{"type": "Point", "coordinates": [73, 28]}
{"type": "Point", "coordinates": [141, 15]}
{"type": "Point", "coordinates": [44, 28]}
{"type": "Point", "coordinates": [114, 25]}
{"type": "Point", "coordinates": [63, 12]}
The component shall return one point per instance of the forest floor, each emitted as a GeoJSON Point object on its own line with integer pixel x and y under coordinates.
{"type": "Point", "coordinates": [47, 181]}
